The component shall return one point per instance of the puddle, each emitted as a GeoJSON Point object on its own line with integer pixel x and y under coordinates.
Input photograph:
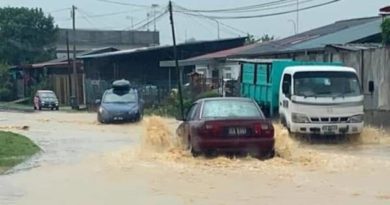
{"type": "Point", "coordinates": [14, 127]}
{"type": "Point", "coordinates": [159, 144]}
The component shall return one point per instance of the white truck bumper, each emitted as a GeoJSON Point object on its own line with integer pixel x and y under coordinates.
{"type": "Point", "coordinates": [327, 129]}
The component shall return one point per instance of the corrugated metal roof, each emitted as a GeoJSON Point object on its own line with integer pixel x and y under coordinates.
{"type": "Point", "coordinates": [89, 52]}
{"type": "Point", "coordinates": [344, 36]}
{"type": "Point", "coordinates": [255, 60]}
{"type": "Point", "coordinates": [221, 54]}
{"type": "Point", "coordinates": [340, 32]}
{"type": "Point", "coordinates": [64, 61]}
{"type": "Point", "coordinates": [207, 58]}
{"type": "Point", "coordinates": [355, 47]}
{"type": "Point", "coordinates": [146, 49]}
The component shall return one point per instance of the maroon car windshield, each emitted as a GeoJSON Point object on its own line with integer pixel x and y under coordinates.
{"type": "Point", "coordinates": [230, 109]}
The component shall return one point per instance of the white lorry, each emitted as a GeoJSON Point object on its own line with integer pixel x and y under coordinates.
{"type": "Point", "coordinates": [324, 100]}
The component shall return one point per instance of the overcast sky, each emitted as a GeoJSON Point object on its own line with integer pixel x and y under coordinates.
{"type": "Point", "coordinates": [200, 28]}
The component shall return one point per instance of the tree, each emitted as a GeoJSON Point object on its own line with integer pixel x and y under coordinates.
{"type": "Point", "coordinates": [6, 85]}
{"type": "Point", "coordinates": [26, 35]}
{"type": "Point", "coordinates": [386, 31]}
{"type": "Point", "coordinates": [251, 38]}
{"type": "Point", "coordinates": [266, 38]}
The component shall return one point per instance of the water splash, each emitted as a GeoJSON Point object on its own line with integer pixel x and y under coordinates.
{"type": "Point", "coordinates": [159, 144]}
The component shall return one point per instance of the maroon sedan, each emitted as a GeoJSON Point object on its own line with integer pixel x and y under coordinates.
{"type": "Point", "coordinates": [228, 125]}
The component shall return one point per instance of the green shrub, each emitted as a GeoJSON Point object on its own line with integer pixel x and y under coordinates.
{"type": "Point", "coordinates": [5, 94]}
{"type": "Point", "coordinates": [171, 106]}
{"type": "Point", "coordinates": [207, 94]}
{"type": "Point", "coordinates": [386, 31]}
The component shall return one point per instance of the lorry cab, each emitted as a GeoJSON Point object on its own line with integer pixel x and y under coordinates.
{"type": "Point", "coordinates": [324, 100]}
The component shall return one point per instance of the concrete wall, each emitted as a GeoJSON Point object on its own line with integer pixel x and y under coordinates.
{"type": "Point", "coordinates": [226, 70]}
{"type": "Point", "coordinates": [89, 39]}
{"type": "Point", "coordinates": [371, 65]}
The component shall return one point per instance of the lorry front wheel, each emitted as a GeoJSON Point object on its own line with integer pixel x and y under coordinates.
{"type": "Point", "coordinates": [283, 121]}
{"type": "Point", "coordinates": [353, 138]}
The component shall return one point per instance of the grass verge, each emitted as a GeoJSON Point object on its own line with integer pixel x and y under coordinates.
{"type": "Point", "coordinates": [14, 149]}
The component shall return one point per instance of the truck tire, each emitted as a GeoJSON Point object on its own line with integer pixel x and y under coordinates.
{"type": "Point", "coordinates": [283, 121]}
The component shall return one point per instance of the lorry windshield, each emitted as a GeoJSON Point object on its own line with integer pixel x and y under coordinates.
{"type": "Point", "coordinates": [326, 84]}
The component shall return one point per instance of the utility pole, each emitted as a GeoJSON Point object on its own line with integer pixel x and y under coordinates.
{"type": "Point", "coordinates": [69, 66]}
{"type": "Point", "coordinates": [178, 73]}
{"type": "Point", "coordinates": [297, 21]}
{"type": "Point", "coordinates": [154, 6]}
{"type": "Point", "coordinates": [75, 80]}
{"type": "Point", "coordinates": [147, 20]}
{"type": "Point", "coordinates": [294, 24]}
{"type": "Point", "coordinates": [218, 30]}
{"type": "Point", "coordinates": [131, 18]}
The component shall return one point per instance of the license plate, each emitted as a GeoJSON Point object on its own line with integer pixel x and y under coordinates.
{"type": "Point", "coordinates": [237, 131]}
{"type": "Point", "coordinates": [331, 128]}
{"type": "Point", "coordinates": [118, 118]}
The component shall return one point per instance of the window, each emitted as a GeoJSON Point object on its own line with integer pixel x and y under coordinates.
{"type": "Point", "coordinates": [269, 70]}
{"type": "Point", "coordinates": [47, 94]}
{"type": "Point", "coordinates": [287, 78]}
{"type": "Point", "coordinates": [201, 71]}
{"type": "Point", "coordinates": [192, 112]}
{"type": "Point", "coordinates": [326, 84]}
{"type": "Point", "coordinates": [227, 69]}
{"type": "Point", "coordinates": [112, 97]}
{"type": "Point", "coordinates": [228, 75]}
{"type": "Point", "coordinates": [230, 108]}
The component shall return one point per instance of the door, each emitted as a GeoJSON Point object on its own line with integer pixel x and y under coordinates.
{"type": "Point", "coordinates": [188, 124]}
{"type": "Point", "coordinates": [285, 99]}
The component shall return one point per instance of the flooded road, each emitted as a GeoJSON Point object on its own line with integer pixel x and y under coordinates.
{"type": "Point", "coordinates": [84, 162]}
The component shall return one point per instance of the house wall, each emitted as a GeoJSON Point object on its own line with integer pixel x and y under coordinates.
{"type": "Point", "coordinates": [225, 70]}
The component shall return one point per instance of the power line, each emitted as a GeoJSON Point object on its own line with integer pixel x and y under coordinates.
{"type": "Point", "coordinates": [108, 14]}
{"type": "Point", "coordinates": [270, 14]}
{"type": "Point", "coordinates": [124, 3]}
{"type": "Point", "coordinates": [85, 16]}
{"type": "Point", "coordinates": [210, 19]}
{"type": "Point", "coordinates": [243, 8]}
{"type": "Point", "coordinates": [205, 26]}
{"type": "Point", "coordinates": [195, 18]}
{"type": "Point", "coordinates": [60, 10]}
{"type": "Point", "coordinates": [90, 20]}
{"type": "Point", "coordinates": [146, 21]}
{"type": "Point", "coordinates": [293, 3]}
{"type": "Point", "coordinates": [155, 19]}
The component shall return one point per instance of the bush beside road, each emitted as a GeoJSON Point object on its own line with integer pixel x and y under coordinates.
{"type": "Point", "coordinates": [14, 149]}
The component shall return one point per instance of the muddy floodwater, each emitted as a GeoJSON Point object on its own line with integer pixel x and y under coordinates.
{"type": "Point", "coordinates": [84, 162]}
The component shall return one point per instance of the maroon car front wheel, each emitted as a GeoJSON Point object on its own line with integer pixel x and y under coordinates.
{"type": "Point", "coordinates": [194, 152]}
